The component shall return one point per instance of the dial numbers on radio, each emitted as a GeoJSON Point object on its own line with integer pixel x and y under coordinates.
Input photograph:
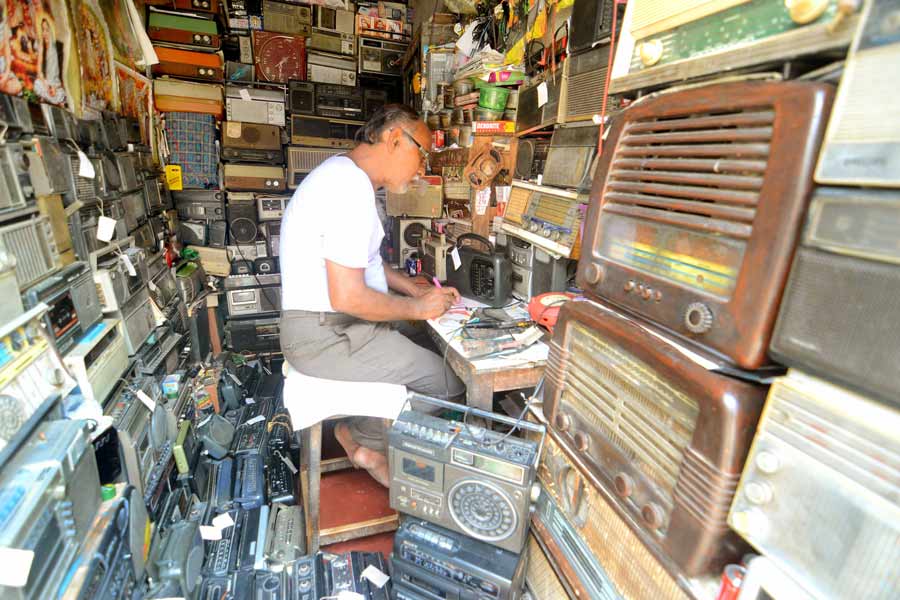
{"type": "Point", "coordinates": [482, 510]}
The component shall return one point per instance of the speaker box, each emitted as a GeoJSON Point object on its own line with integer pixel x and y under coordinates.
{"type": "Point", "coordinates": [242, 221]}
{"type": "Point", "coordinates": [302, 97]}
{"type": "Point", "coordinates": [216, 234]}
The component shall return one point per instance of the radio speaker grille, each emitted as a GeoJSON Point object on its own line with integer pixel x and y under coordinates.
{"type": "Point", "coordinates": [34, 248]}
{"type": "Point", "coordinates": [853, 346]}
{"type": "Point", "coordinates": [702, 172]}
{"type": "Point", "coordinates": [586, 84]}
{"type": "Point", "coordinates": [304, 160]}
{"type": "Point", "coordinates": [541, 579]}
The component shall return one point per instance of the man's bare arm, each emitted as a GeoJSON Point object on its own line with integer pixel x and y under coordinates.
{"type": "Point", "coordinates": [399, 282]}
{"type": "Point", "coordinates": [349, 294]}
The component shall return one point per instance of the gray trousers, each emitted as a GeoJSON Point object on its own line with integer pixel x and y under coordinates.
{"type": "Point", "coordinates": [338, 346]}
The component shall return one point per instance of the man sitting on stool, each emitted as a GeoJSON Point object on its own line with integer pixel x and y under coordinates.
{"type": "Point", "coordinates": [338, 316]}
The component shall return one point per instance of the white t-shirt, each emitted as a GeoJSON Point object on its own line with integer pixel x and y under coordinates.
{"type": "Point", "coordinates": [332, 215]}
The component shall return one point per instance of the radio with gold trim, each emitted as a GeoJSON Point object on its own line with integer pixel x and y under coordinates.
{"type": "Point", "coordinates": [324, 132]}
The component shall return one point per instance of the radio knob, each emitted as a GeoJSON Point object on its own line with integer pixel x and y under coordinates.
{"type": "Point", "coordinates": [535, 492]}
{"type": "Point", "coordinates": [563, 421]}
{"type": "Point", "coordinates": [555, 236]}
{"type": "Point", "coordinates": [533, 227]}
{"type": "Point", "coordinates": [651, 52]}
{"type": "Point", "coordinates": [594, 274]}
{"type": "Point", "coordinates": [758, 492]}
{"type": "Point", "coordinates": [624, 484]}
{"type": "Point", "coordinates": [698, 318]}
{"type": "Point", "coordinates": [630, 285]}
{"type": "Point", "coordinates": [545, 232]}
{"type": "Point", "coordinates": [647, 293]}
{"type": "Point", "coordinates": [652, 515]}
{"type": "Point", "coordinates": [767, 462]}
{"type": "Point", "coordinates": [582, 441]}
{"type": "Point", "coordinates": [805, 11]}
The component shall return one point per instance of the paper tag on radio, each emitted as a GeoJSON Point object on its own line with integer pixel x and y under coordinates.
{"type": "Point", "coordinates": [454, 254]}
{"type": "Point", "coordinates": [223, 521]}
{"type": "Point", "coordinates": [210, 533]}
{"type": "Point", "coordinates": [233, 129]}
{"type": "Point", "coordinates": [16, 566]}
{"type": "Point", "coordinates": [374, 574]}
{"type": "Point", "coordinates": [128, 265]}
{"type": "Point", "coordinates": [245, 95]}
{"type": "Point", "coordinates": [106, 227]}
{"type": "Point", "coordinates": [255, 419]}
{"type": "Point", "coordinates": [173, 177]}
{"type": "Point", "coordinates": [85, 166]}
{"type": "Point", "coordinates": [234, 378]}
{"type": "Point", "coordinates": [543, 94]}
{"type": "Point", "coordinates": [147, 400]}
{"type": "Point", "coordinates": [347, 595]}
{"type": "Point", "coordinates": [249, 400]}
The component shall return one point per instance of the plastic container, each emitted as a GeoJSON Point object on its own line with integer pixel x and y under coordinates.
{"type": "Point", "coordinates": [487, 114]}
{"type": "Point", "coordinates": [493, 98]}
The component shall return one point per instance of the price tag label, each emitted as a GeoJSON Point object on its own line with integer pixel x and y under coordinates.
{"type": "Point", "coordinates": [85, 166]}
{"type": "Point", "coordinates": [106, 227]}
{"type": "Point", "coordinates": [374, 574]}
{"type": "Point", "coordinates": [543, 94]}
{"type": "Point", "coordinates": [454, 255]}
{"type": "Point", "coordinates": [210, 533]}
{"type": "Point", "coordinates": [245, 95]}
{"type": "Point", "coordinates": [128, 265]}
{"type": "Point", "coordinates": [147, 400]}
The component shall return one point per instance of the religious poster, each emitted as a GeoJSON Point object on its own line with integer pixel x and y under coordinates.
{"type": "Point", "coordinates": [34, 35]}
{"type": "Point", "coordinates": [95, 53]}
{"type": "Point", "coordinates": [135, 95]}
{"type": "Point", "coordinates": [126, 48]}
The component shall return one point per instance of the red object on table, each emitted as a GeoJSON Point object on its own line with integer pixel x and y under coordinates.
{"type": "Point", "coordinates": [544, 308]}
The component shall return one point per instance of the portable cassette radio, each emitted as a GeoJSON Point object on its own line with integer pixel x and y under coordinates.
{"type": "Point", "coordinates": [270, 208]}
{"type": "Point", "coordinates": [661, 241]}
{"type": "Point", "coordinates": [331, 68]}
{"type": "Point", "coordinates": [253, 335]}
{"type": "Point", "coordinates": [253, 295]}
{"type": "Point", "coordinates": [31, 242]}
{"type": "Point", "coordinates": [849, 244]}
{"type": "Point", "coordinates": [861, 148]}
{"type": "Point", "coordinates": [531, 114]}
{"type": "Point", "coordinates": [678, 488]}
{"type": "Point", "coordinates": [408, 235]}
{"type": "Point", "coordinates": [302, 97]}
{"type": "Point", "coordinates": [138, 321]}
{"type": "Point", "coordinates": [287, 18]}
{"type": "Point", "coordinates": [584, 87]}
{"type": "Point", "coordinates": [188, 63]}
{"type": "Point", "coordinates": [822, 446]}
{"type": "Point", "coordinates": [98, 360]}
{"type": "Point", "coordinates": [190, 31]}
{"type": "Point", "coordinates": [548, 217]}
{"type": "Point", "coordinates": [633, 566]}
{"type": "Point", "coordinates": [254, 178]}
{"type": "Point", "coordinates": [242, 220]}
{"type": "Point", "coordinates": [380, 57]}
{"type": "Point", "coordinates": [279, 57]}
{"type": "Point", "coordinates": [332, 41]}
{"type": "Point", "coordinates": [73, 304]}
{"type": "Point", "coordinates": [324, 132]}
{"type": "Point", "coordinates": [442, 472]}
{"type": "Point", "coordinates": [49, 168]}
{"type": "Point", "coordinates": [208, 205]}
{"type": "Point", "coordinates": [173, 95]}
{"type": "Point", "coordinates": [668, 42]}
{"type": "Point", "coordinates": [264, 106]}
{"type": "Point", "coordinates": [338, 101]}
{"type": "Point", "coordinates": [535, 271]}
{"type": "Point", "coordinates": [300, 161]}
{"type": "Point", "coordinates": [17, 191]}
{"type": "Point", "coordinates": [373, 100]}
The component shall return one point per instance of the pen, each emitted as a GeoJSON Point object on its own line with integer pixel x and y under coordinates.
{"type": "Point", "coordinates": [436, 283]}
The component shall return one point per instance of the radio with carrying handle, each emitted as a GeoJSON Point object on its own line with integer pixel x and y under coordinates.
{"type": "Point", "coordinates": [339, 101]}
{"type": "Point", "coordinates": [694, 265]}
{"type": "Point", "coordinates": [237, 135]}
{"type": "Point", "coordinates": [324, 132]}
{"type": "Point", "coordinates": [677, 489]}
{"type": "Point", "coordinates": [189, 31]}
{"type": "Point", "coordinates": [334, 69]}
{"type": "Point", "coordinates": [434, 249]}
{"type": "Point", "coordinates": [32, 243]}
{"type": "Point", "coordinates": [254, 105]}
{"type": "Point", "coordinates": [48, 166]}
{"type": "Point", "coordinates": [584, 87]}
{"type": "Point", "coordinates": [482, 276]}
{"type": "Point", "coordinates": [592, 23]}
{"type": "Point", "coordinates": [441, 469]}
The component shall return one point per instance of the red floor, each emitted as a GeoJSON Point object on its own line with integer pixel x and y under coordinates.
{"type": "Point", "coordinates": [351, 496]}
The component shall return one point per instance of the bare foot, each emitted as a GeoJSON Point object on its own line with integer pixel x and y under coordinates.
{"type": "Point", "coordinates": [374, 462]}
{"type": "Point", "coordinates": [342, 434]}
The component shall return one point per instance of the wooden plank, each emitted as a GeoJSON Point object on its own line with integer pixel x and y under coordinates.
{"type": "Point", "coordinates": [362, 529]}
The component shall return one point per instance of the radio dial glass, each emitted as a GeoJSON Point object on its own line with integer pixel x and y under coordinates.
{"type": "Point", "coordinates": [482, 510]}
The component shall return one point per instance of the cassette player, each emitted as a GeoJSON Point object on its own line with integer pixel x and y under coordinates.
{"type": "Point", "coordinates": [206, 205]}
{"type": "Point", "coordinates": [471, 480]}
{"type": "Point", "coordinates": [254, 105]}
{"type": "Point", "coordinates": [380, 57]}
{"type": "Point", "coordinates": [271, 208]}
{"type": "Point", "coordinates": [324, 132]}
{"type": "Point", "coordinates": [547, 217]}
{"type": "Point", "coordinates": [253, 335]}
{"type": "Point", "coordinates": [339, 101]}
{"type": "Point", "coordinates": [252, 295]}
{"type": "Point", "coordinates": [335, 69]}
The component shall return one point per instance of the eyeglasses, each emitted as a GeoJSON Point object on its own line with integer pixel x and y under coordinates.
{"type": "Point", "coordinates": [422, 151]}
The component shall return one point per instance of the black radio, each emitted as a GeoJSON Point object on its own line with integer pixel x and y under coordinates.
{"type": "Point", "coordinates": [252, 547]}
{"type": "Point", "coordinates": [342, 573]}
{"type": "Point", "coordinates": [220, 487]}
{"type": "Point", "coordinates": [280, 477]}
{"type": "Point", "coordinates": [207, 205]}
{"type": "Point", "coordinates": [160, 482]}
{"type": "Point", "coordinates": [251, 479]}
{"type": "Point", "coordinates": [250, 437]}
{"type": "Point", "coordinates": [266, 265]}
{"type": "Point", "coordinates": [482, 276]}
{"type": "Point", "coordinates": [339, 101]}
{"type": "Point", "coordinates": [14, 113]}
{"type": "Point", "coordinates": [302, 97]}
{"type": "Point", "coordinates": [222, 556]}
{"type": "Point", "coordinates": [373, 100]}
{"type": "Point", "coordinates": [253, 335]}
{"type": "Point", "coordinates": [449, 564]}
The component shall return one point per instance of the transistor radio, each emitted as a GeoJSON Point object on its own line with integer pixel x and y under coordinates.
{"type": "Point", "coordinates": [32, 243]}
{"type": "Point", "coordinates": [324, 132]}
{"type": "Point", "coordinates": [286, 536]}
{"type": "Point", "coordinates": [241, 220]}
{"type": "Point", "coordinates": [188, 63]}
{"type": "Point", "coordinates": [547, 217]}
{"type": "Point", "coordinates": [530, 158]}
{"type": "Point", "coordinates": [663, 42]}
{"type": "Point", "coordinates": [254, 178]}
{"type": "Point", "coordinates": [183, 30]}
{"type": "Point", "coordinates": [251, 142]}
{"type": "Point", "coordinates": [434, 251]}
{"type": "Point", "coordinates": [332, 19]}
{"type": "Point", "coordinates": [339, 101]}
{"type": "Point", "coordinates": [191, 281]}
{"type": "Point", "coordinates": [253, 335]}
{"type": "Point", "coordinates": [128, 171]}
{"type": "Point", "coordinates": [113, 132]}
{"type": "Point", "coordinates": [584, 89]}
{"type": "Point", "coordinates": [849, 245]}
{"type": "Point", "coordinates": [85, 189]}
{"type": "Point", "coordinates": [822, 448]}
{"type": "Point", "coordinates": [332, 41]}
{"type": "Point", "coordinates": [861, 146]}
{"type": "Point", "coordinates": [253, 295]}
{"type": "Point", "coordinates": [605, 374]}
{"type": "Point", "coordinates": [73, 305]}
{"type": "Point", "coordinates": [442, 470]}
{"type": "Point", "coordinates": [207, 205]}
{"type": "Point", "coordinates": [145, 237]}
{"type": "Point", "coordinates": [279, 57]}
{"type": "Point", "coordinates": [98, 360]}
{"type": "Point", "coordinates": [531, 114]}
{"type": "Point", "coordinates": [14, 113]}
{"type": "Point", "coordinates": [173, 95]}
{"type": "Point", "coordinates": [180, 559]}
{"type": "Point", "coordinates": [335, 69]}
{"type": "Point", "coordinates": [271, 208]}
{"type": "Point", "coordinates": [300, 161]}
{"type": "Point", "coordinates": [302, 97]}
{"type": "Point", "coordinates": [633, 566]}
{"type": "Point", "coordinates": [49, 168]}
{"type": "Point", "coordinates": [688, 205]}
{"type": "Point", "coordinates": [134, 209]}
{"type": "Point", "coordinates": [106, 172]}
{"type": "Point", "coordinates": [116, 283]}
{"type": "Point", "coordinates": [408, 235]}
{"type": "Point", "coordinates": [51, 494]}
{"type": "Point", "coordinates": [534, 271]}
{"type": "Point", "coordinates": [264, 106]}
{"type": "Point", "coordinates": [570, 157]}
{"type": "Point", "coordinates": [482, 276]}
{"type": "Point", "coordinates": [154, 195]}
{"type": "Point", "coordinates": [60, 122]}
{"type": "Point", "coordinates": [592, 23]}
{"type": "Point", "coordinates": [287, 18]}
{"type": "Point", "coordinates": [17, 191]}
{"type": "Point", "coordinates": [380, 57]}
{"type": "Point", "coordinates": [428, 557]}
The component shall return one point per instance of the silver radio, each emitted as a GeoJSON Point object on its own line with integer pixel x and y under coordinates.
{"type": "Point", "coordinates": [134, 208]}
{"type": "Point", "coordinates": [332, 41]}
{"type": "Point", "coordinates": [286, 536]}
{"type": "Point", "coordinates": [535, 271]}
{"type": "Point", "coordinates": [250, 295]}
{"type": "Point", "coordinates": [334, 19]}
{"type": "Point", "coordinates": [271, 208]}
{"type": "Point", "coordinates": [549, 218]}
{"type": "Point", "coordinates": [138, 321]}
{"type": "Point", "coordinates": [34, 247]}
{"type": "Point", "coordinates": [119, 272]}
{"type": "Point", "coordinates": [98, 360]}
{"type": "Point", "coordinates": [16, 191]}
{"type": "Point", "coordinates": [252, 105]}
{"type": "Point", "coordinates": [380, 57]}
{"type": "Point", "coordinates": [50, 493]}
{"type": "Point", "coordinates": [322, 67]}
{"type": "Point", "coordinates": [301, 161]}
{"type": "Point", "coordinates": [816, 495]}
{"type": "Point", "coordinates": [463, 478]}
{"type": "Point", "coordinates": [247, 251]}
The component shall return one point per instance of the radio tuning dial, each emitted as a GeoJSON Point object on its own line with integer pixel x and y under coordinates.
{"type": "Point", "coordinates": [594, 274]}
{"type": "Point", "coordinates": [698, 318]}
{"type": "Point", "coordinates": [555, 236]}
{"type": "Point", "coordinates": [545, 232]}
{"type": "Point", "coordinates": [533, 227]}
{"type": "Point", "coordinates": [758, 492]}
{"type": "Point", "coordinates": [651, 52]}
{"type": "Point", "coordinates": [805, 11]}
{"type": "Point", "coordinates": [563, 421]}
{"type": "Point", "coordinates": [767, 462]}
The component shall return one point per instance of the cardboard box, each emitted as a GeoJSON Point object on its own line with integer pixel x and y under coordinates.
{"type": "Point", "coordinates": [427, 201]}
{"type": "Point", "coordinates": [494, 127]}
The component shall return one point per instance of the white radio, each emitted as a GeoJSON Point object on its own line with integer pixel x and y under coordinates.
{"type": "Point", "coordinates": [98, 360]}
